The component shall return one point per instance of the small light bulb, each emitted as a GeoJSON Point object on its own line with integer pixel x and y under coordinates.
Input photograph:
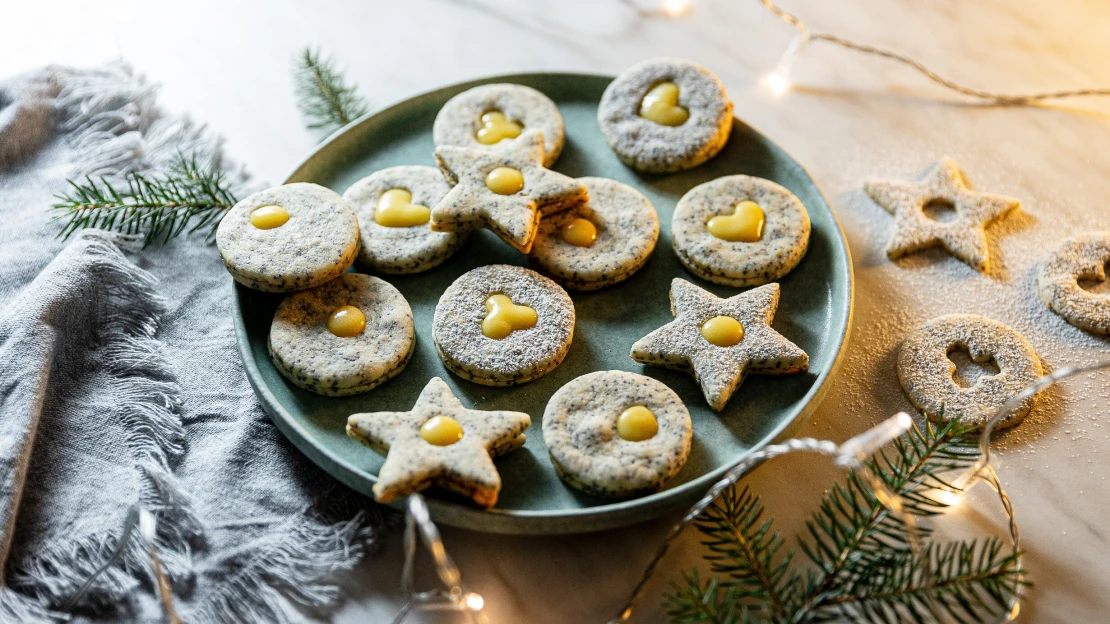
{"type": "Point", "coordinates": [946, 497]}
{"type": "Point", "coordinates": [474, 602]}
{"type": "Point", "coordinates": [777, 83]}
{"type": "Point", "coordinates": [675, 8]}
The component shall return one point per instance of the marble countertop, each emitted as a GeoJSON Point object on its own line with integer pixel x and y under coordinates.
{"type": "Point", "coordinates": [848, 119]}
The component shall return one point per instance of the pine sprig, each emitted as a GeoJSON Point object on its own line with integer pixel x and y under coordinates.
{"type": "Point", "coordinates": [324, 97]}
{"type": "Point", "coordinates": [186, 198]}
{"type": "Point", "coordinates": [862, 567]}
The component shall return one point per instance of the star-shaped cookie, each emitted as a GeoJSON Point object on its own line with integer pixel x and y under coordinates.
{"type": "Point", "coordinates": [680, 344]}
{"type": "Point", "coordinates": [964, 236]}
{"type": "Point", "coordinates": [513, 217]}
{"type": "Point", "coordinates": [413, 464]}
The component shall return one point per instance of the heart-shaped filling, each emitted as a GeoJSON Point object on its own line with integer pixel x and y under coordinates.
{"type": "Point", "coordinates": [496, 127]}
{"type": "Point", "coordinates": [744, 225]}
{"type": "Point", "coordinates": [661, 105]}
{"type": "Point", "coordinates": [395, 209]}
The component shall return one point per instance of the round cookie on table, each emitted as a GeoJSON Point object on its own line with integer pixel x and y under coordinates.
{"type": "Point", "coordinates": [500, 325]}
{"type": "Point", "coordinates": [599, 243]}
{"type": "Point", "coordinates": [665, 115]}
{"type": "Point", "coordinates": [344, 337]}
{"type": "Point", "coordinates": [288, 238]}
{"type": "Point", "coordinates": [926, 372]}
{"type": "Point", "coordinates": [393, 208]}
{"type": "Point", "coordinates": [1083, 257]}
{"type": "Point", "coordinates": [488, 114]}
{"type": "Point", "coordinates": [740, 230]}
{"type": "Point", "coordinates": [616, 434]}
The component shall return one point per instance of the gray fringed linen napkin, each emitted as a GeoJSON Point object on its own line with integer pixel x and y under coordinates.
{"type": "Point", "coordinates": [121, 385]}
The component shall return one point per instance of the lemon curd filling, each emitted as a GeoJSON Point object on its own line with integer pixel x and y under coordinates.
{"type": "Point", "coordinates": [395, 209]}
{"type": "Point", "coordinates": [637, 424]}
{"type": "Point", "coordinates": [441, 431]}
{"type": "Point", "coordinates": [347, 321]}
{"type": "Point", "coordinates": [503, 317]}
{"type": "Point", "coordinates": [723, 331]}
{"type": "Point", "coordinates": [496, 127]}
{"type": "Point", "coordinates": [744, 225]}
{"type": "Point", "coordinates": [505, 181]}
{"type": "Point", "coordinates": [661, 105]}
{"type": "Point", "coordinates": [269, 217]}
{"type": "Point", "coordinates": [579, 232]}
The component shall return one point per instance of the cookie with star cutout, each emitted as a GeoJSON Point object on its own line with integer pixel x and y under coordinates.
{"type": "Point", "coordinates": [721, 341]}
{"type": "Point", "coordinates": [288, 238]}
{"type": "Point", "coordinates": [927, 373]}
{"type": "Point", "coordinates": [665, 115]}
{"type": "Point", "coordinates": [441, 443]}
{"type": "Point", "coordinates": [343, 337]}
{"type": "Point", "coordinates": [964, 237]}
{"type": "Point", "coordinates": [740, 231]}
{"type": "Point", "coordinates": [500, 325]}
{"type": "Point", "coordinates": [504, 188]}
{"type": "Point", "coordinates": [599, 243]}
{"type": "Point", "coordinates": [616, 434]}
{"type": "Point", "coordinates": [1083, 257]}
{"type": "Point", "coordinates": [393, 208]}
{"type": "Point", "coordinates": [489, 114]}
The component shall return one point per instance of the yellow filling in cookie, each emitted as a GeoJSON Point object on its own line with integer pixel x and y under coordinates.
{"type": "Point", "coordinates": [503, 317]}
{"type": "Point", "coordinates": [661, 105]}
{"type": "Point", "coordinates": [347, 321]}
{"type": "Point", "coordinates": [723, 331]}
{"type": "Point", "coordinates": [441, 431]}
{"type": "Point", "coordinates": [637, 423]}
{"type": "Point", "coordinates": [744, 225]}
{"type": "Point", "coordinates": [505, 181]}
{"type": "Point", "coordinates": [395, 209]}
{"type": "Point", "coordinates": [269, 217]}
{"type": "Point", "coordinates": [580, 233]}
{"type": "Point", "coordinates": [496, 127]}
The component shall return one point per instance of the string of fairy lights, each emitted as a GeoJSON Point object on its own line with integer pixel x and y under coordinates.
{"type": "Point", "coordinates": [453, 594]}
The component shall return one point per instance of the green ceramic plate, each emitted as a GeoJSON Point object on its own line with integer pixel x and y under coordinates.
{"type": "Point", "coordinates": [815, 312]}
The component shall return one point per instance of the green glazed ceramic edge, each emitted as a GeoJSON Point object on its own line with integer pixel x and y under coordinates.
{"type": "Point", "coordinates": [530, 522]}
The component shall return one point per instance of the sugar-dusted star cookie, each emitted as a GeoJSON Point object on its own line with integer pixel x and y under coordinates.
{"type": "Point", "coordinates": [721, 340]}
{"type": "Point", "coordinates": [504, 188]}
{"type": "Point", "coordinates": [964, 237]}
{"type": "Point", "coordinates": [439, 442]}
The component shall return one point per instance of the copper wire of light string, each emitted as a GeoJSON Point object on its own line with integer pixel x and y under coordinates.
{"type": "Point", "coordinates": [805, 36]}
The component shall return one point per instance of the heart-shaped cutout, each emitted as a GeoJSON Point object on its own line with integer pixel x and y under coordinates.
{"type": "Point", "coordinates": [496, 127]}
{"type": "Point", "coordinates": [744, 225]}
{"type": "Point", "coordinates": [503, 317]}
{"type": "Point", "coordinates": [395, 209]}
{"type": "Point", "coordinates": [661, 105]}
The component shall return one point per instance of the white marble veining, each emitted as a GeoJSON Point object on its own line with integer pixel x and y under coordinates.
{"type": "Point", "coordinates": [853, 118]}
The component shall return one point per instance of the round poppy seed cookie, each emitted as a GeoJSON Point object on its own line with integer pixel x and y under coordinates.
{"type": "Point", "coordinates": [500, 325]}
{"type": "Point", "coordinates": [740, 231]}
{"type": "Point", "coordinates": [665, 115]}
{"type": "Point", "coordinates": [393, 208]}
{"type": "Point", "coordinates": [344, 337]}
{"type": "Point", "coordinates": [613, 433]}
{"type": "Point", "coordinates": [488, 114]}
{"type": "Point", "coordinates": [1081, 258]}
{"type": "Point", "coordinates": [926, 372]}
{"type": "Point", "coordinates": [598, 243]}
{"type": "Point", "coordinates": [288, 238]}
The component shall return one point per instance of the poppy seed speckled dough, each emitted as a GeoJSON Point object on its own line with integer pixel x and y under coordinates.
{"type": "Point", "coordinates": [317, 243]}
{"type": "Point", "coordinates": [524, 354]}
{"type": "Point", "coordinates": [627, 230]}
{"type": "Point", "coordinates": [413, 464]}
{"type": "Point", "coordinates": [1083, 257]}
{"type": "Point", "coordinates": [926, 372]}
{"type": "Point", "coordinates": [308, 354]}
{"type": "Point", "coordinates": [580, 432]}
{"type": "Point", "coordinates": [649, 146]}
{"type": "Point", "coordinates": [401, 249]}
{"type": "Point", "coordinates": [460, 119]}
{"type": "Point", "coordinates": [783, 245]}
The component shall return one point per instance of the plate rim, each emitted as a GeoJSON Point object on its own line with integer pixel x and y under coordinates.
{"type": "Point", "coordinates": [534, 522]}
